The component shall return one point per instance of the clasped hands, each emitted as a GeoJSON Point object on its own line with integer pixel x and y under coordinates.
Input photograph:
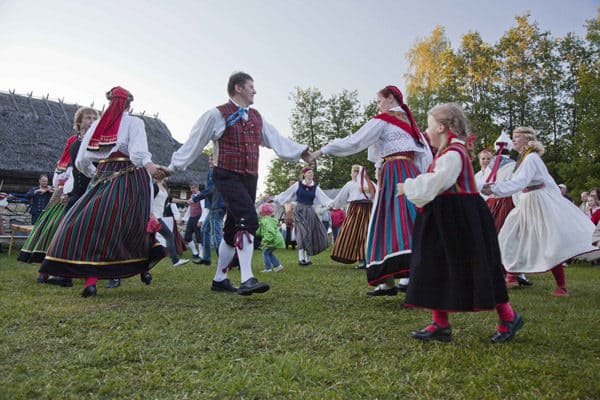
{"type": "Point", "coordinates": [309, 157]}
{"type": "Point", "coordinates": [158, 172]}
{"type": "Point", "coordinates": [487, 189]}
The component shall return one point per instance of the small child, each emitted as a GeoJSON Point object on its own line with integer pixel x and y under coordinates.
{"type": "Point", "coordinates": [455, 264]}
{"type": "Point", "coordinates": [268, 229]}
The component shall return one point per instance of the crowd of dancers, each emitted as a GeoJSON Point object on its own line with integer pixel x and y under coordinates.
{"type": "Point", "coordinates": [453, 239]}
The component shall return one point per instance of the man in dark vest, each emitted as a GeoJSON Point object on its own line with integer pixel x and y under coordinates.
{"type": "Point", "coordinates": [237, 131]}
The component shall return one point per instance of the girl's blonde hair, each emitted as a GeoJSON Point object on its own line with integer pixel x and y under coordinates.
{"type": "Point", "coordinates": [530, 134]}
{"type": "Point", "coordinates": [452, 117]}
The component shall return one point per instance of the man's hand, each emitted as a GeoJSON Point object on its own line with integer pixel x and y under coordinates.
{"type": "Point", "coordinates": [314, 156]}
{"type": "Point", "coordinates": [306, 156]}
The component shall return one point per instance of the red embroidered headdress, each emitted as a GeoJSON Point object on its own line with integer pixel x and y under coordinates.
{"type": "Point", "coordinates": [105, 134]}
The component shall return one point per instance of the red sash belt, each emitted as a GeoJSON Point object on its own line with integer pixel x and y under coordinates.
{"type": "Point", "coordinates": [534, 187]}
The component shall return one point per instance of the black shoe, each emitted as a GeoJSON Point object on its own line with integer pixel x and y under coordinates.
{"type": "Point", "coordinates": [89, 291]}
{"type": "Point", "coordinates": [201, 261]}
{"type": "Point", "coordinates": [513, 327]}
{"type": "Point", "coordinates": [524, 281]}
{"type": "Point", "coordinates": [383, 292]}
{"type": "Point", "coordinates": [302, 263]}
{"type": "Point", "coordinates": [112, 284]}
{"type": "Point", "coordinates": [42, 278]}
{"type": "Point", "coordinates": [252, 285]}
{"type": "Point", "coordinates": [361, 266]}
{"type": "Point", "coordinates": [223, 286]}
{"type": "Point", "coordinates": [146, 278]}
{"type": "Point", "coordinates": [440, 334]}
{"type": "Point", "coordinates": [402, 288]}
{"type": "Point", "coordinates": [57, 280]}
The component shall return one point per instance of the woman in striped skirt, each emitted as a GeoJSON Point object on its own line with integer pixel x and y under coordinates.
{"type": "Point", "coordinates": [104, 234]}
{"type": "Point", "coordinates": [399, 151]}
{"type": "Point", "coordinates": [37, 243]}
{"type": "Point", "coordinates": [311, 237]}
{"type": "Point", "coordinates": [350, 244]}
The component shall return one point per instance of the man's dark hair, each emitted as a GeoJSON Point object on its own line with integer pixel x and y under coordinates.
{"type": "Point", "coordinates": [238, 78]}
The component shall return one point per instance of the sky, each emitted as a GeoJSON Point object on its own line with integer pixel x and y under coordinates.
{"type": "Point", "coordinates": [176, 56]}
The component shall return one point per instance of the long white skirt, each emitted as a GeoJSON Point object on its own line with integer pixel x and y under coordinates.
{"type": "Point", "coordinates": [542, 231]}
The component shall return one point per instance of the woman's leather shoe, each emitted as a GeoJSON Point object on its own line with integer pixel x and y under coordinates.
{"type": "Point", "coordinates": [383, 292]}
{"type": "Point", "coordinates": [112, 284]}
{"type": "Point", "coordinates": [513, 327]}
{"type": "Point", "coordinates": [89, 291]}
{"type": "Point", "coordinates": [439, 334]}
{"type": "Point", "coordinates": [146, 278]}
{"type": "Point", "coordinates": [523, 281]}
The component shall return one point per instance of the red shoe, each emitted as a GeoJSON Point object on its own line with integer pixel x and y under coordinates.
{"type": "Point", "coordinates": [560, 292]}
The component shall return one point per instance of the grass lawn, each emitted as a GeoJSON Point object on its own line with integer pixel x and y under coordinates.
{"type": "Point", "coordinates": [314, 335]}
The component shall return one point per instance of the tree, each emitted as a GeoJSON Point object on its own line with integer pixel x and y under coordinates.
{"type": "Point", "coordinates": [516, 51]}
{"type": "Point", "coordinates": [343, 118]}
{"type": "Point", "coordinates": [308, 117]}
{"type": "Point", "coordinates": [308, 124]}
{"type": "Point", "coordinates": [480, 77]}
{"type": "Point", "coordinates": [281, 173]}
{"type": "Point", "coordinates": [429, 64]}
{"type": "Point", "coordinates": [582, 171]}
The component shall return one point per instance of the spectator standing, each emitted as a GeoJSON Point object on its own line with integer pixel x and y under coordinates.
{"type": "Point", "coordinates": [584, 206]}
{"type": "Point", "coordinates": [39, 197]}
{"type": "Point", "coordinates": [212, 227]}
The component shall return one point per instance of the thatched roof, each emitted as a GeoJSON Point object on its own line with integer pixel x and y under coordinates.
{"type": "Point", "coordinates": [33, 132]}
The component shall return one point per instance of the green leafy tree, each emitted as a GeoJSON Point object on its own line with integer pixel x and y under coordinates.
{"type": "Point", "coordinates": [429, 62]}
{"type": "Point", "coordinates": [308, 124]}
{"type": "Point", "coordinates": [480, 77]}
{"type": "Point", "coordinates": [343, 117]}
{"type": "Point", "coordinates": [582, 171]}
{"type": "Point", "coordinates": [280, 174]}
{"type": "Point", "coordinates": [517, 55]}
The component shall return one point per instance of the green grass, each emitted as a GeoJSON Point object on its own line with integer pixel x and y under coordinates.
{"type": "Point", "coordinates": [314, 335]}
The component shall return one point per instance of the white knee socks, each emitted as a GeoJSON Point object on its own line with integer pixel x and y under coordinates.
{"type": "Point", "coordinates": [226, 253]}
{"type": "Point", "coordinates": [192, 247]}
{"type": "Point", "coordinates": [302, 256]}
{"type": "Point", "coordinates": [245, 257]}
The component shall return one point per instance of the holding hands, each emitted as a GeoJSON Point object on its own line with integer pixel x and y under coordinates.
{"type": "Point", "coordinates": [312, 156]}
{"type": "Point", "coordinates": [487, 189]}
{"type": "Point", "coordinates": [158, 172]}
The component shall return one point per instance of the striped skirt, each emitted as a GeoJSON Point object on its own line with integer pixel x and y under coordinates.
{"type": "Point", "coordinates": [37, 243]}
{"type": "Point", "coordinates": [310, 232]}
{"type": "Point", "coordinates": [389, 241]}
{"type": "Point", "coordinates": [352, 238]}
{"type": "Point", "coordinates": [104, 233]}
{"type": "Point", "coordinates": [500, 208]}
